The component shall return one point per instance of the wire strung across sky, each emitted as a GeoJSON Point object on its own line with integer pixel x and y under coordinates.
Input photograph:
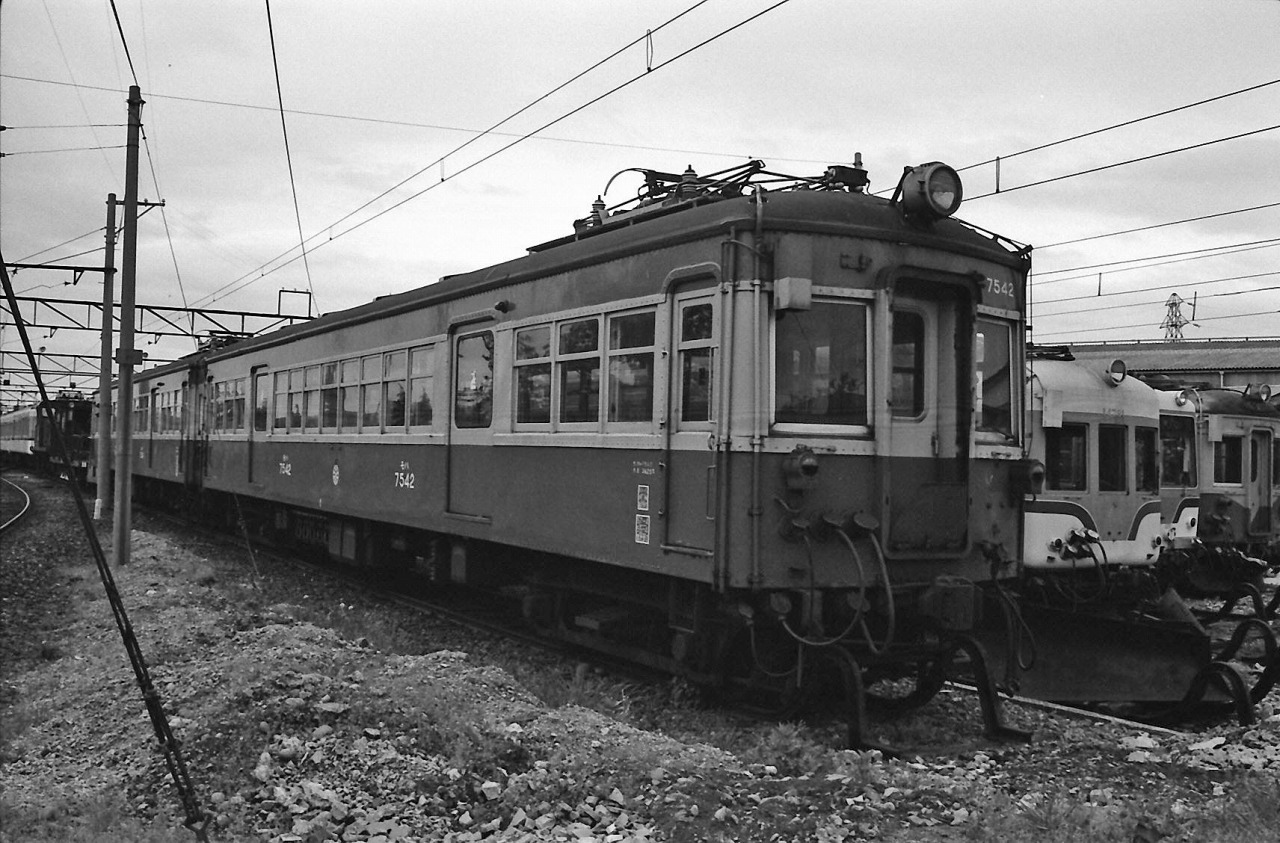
{"type": "Point", "coordinates": [649, 70]}
{"type": "Point", "coordinates": [288, 157]}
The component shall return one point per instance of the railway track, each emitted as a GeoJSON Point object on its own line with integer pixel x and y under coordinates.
{"type": "Point", "coordinates": [15, 504]}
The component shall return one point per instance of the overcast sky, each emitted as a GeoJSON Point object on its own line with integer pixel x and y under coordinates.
{"type": "Point", "coordinates": [376, 92]}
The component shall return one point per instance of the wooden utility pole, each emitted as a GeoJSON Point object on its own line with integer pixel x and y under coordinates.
{"type": "Point", "coordinates": [126, 356]}
{"type": "Point", "coordinates": [102, 505]}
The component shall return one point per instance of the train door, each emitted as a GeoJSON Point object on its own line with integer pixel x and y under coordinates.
{"type": "Point", "coordinates": [925, 480]}
{"type": "Point", "coordinates": [260, 407]}
{"type": "Point", "coordinates": [153, 423]}
{"type": "Point", "coordinates": [691, 481]}
{"type": "Point", "coordinates": [472, 464]}
{"type": "Point", "coordinates": [1260, 480]}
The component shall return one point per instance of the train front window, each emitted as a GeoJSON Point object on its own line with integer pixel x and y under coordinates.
{"type": "Point", "coordinates": [1066, 457]}
{"type": "Point", "coordinates": [1228, 460]}
{"type": "Point", "coordinates": [820, 368]}
{"type": "Point", "coordinates": [992, 357]}
{"type": "Point", "coordinates": [1177, 451]}
{"type": "Point", "coordinates": [907, 387]}
{"type": "Point", "coordinates": [1112, 458]}
{"type": "Point", "coordinates": [1147, 459]}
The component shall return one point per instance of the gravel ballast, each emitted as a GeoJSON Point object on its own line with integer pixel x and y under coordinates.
{"type": "Point", "coordinates": [297, 727]}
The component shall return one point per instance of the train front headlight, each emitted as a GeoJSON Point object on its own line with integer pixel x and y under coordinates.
{"type": "Point", "coordinates": [931, 191]}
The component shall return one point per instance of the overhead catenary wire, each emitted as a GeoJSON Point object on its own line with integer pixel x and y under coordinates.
{"type": "Point", "coordinates": [412, 124]}
{"type": "Point", "coordinates": [284, 129]}
{"type": "Point", "coordinates": [524, 137]}
{"type": "Point", "coordinates": [491, 130]}
{"type": "Point", "coordinates": [1270, 314]}
{"type": "Point", "coordinates": [1190, 254]}
{"type": "Point", "coordinates": [66, 149]}
{"type": "Point", "coordinates": [1124, 163]}
{"type": "Point", "coordinates": [1157, 225]}
{"type": "Point", "coordinates": [1120, 125]}
{"type": "Point", "coordinates": [1109, 293]}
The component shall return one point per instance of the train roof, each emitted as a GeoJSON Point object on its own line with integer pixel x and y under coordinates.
{"type": "Point", "coordinates": [1076, 386]}
{"type": "Point", "coordinates": [647, 229]}
{"type": "Point", "coordinates": [1218, 401]}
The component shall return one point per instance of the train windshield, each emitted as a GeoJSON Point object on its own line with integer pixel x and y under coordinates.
{"type": "Point", "coordinates": [994, 388]}
{"type": "Point", "coordinates": [821, 365]}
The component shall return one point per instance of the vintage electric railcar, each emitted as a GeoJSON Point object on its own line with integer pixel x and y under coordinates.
{"type": "Point", "coordinates": [727, 428]}
{"type": "Point", "coordinates": [27, 434]}
{"type": "Point", "coordinates": [1097, 433]}
{"type": "Point", "coordinates": [1220, 485]}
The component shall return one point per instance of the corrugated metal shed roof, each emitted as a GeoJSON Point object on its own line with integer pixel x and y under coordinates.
{"type": "Point", "coordinates": [1187, 355]}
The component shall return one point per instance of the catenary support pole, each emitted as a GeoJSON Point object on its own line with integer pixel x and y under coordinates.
{"type": "Point", "coordinates": [126, 356]}
{"type": "Point", "coordinates": [102, 505]}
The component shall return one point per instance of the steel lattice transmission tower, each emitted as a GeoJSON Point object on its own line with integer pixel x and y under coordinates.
{"type": "Point", "coordinates": [1173, 318]}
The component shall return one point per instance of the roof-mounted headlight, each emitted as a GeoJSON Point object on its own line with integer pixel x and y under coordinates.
{"type": "Point", "coordinates": [931, 191]}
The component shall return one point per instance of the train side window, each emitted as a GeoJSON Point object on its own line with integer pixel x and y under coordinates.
{"type": "Point", "coordinates": [1066, 454]}
{"type": "Point", "coordinates": [473, 381]}
{"type": "Point", "coordinates": [238, 399]}
{"type": "Point", "coordinates": [1113, 451]}
{"type": "Point", "coordinates": [1177, 451]}
{"type": "Point", "coordinates": [349, 410]}
{"type": "Point", "coordinates": [631, 348]}
{"type": "Point", "coordinates": [421, 369]}
{"type": "Point", "coordinates": [907, 387]}
{"type": "Point", "coordinates": [992, 356]}
{"type": "Point", "coordinates": [393, 394]}
{"type": "Point", "coordinates": [578, 367]}
{"type": "Point", "coordinates": [533, 375]}
{"type": "Point", "coordinates": [281, 419]}
{"type": "Point", "coordinates": [1228, 460]}
{"type": "Point", "coordinates": [329, 397]}
{"type": "Point", "coordinates": [697, 362]}
{"type": "Point", "coordinates": [1147, 460]}
{"type": "Point", "coordinates": [820, 365]}
{"type": "Point", "coordinates": [371, 394]}
{"type": "Point", "coordinates": [1275, 462]}
{"type": "Point", "coordinates": [261, 401]}
{"type": "Point", "coordinates": [311, 400]}
{"type": "Point", "coordinates": [219, 406]}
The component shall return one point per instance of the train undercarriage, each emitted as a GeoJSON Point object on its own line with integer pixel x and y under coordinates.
{"type": "Point", "coordinates": [1118, 642]}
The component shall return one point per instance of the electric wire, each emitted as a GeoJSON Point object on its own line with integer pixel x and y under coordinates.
{"type": "Point", "coordinates": [491, 130]}
{"type": "Point", "coordinates": [1120, 125]}
{"type": "Point", "coordinates": [57, 39]}
{"type": "Point", "coordinates": [124, 42]}
{"type": "Point", "coordinates": [1157, 225]}
{"type": "Point", "coordinates": [1115, 164]}
{"type": "Point", "coordinates": [66, 126]}
{"type": "Point", "coordinates": [513, 143]}
{"type": "Point", "coordinates": [418, 125]}
{"type": "Point", "coordinates": [1149, 303]}
{"type": "Point", "coordinates": [173, 254]}
{"type": "Point", "coordinates": [1199, 284]}
{"type": "Point", "coordinates": [1190, 254]}
{"type": "Point", "coordinates": [288, 157]}
{"type": "Point", "coordinates": [97, 230]}
{"type": "Point", "coordinates": [49, 151]}
{"type": "Point", "coordinates": [1270, 314]}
